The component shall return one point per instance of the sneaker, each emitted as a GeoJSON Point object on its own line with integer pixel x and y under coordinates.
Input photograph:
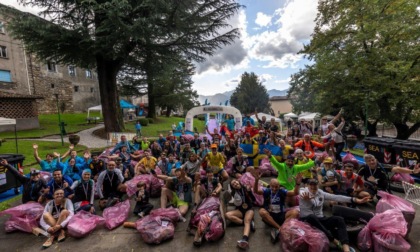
{"type": "Point", "coordinates": [197, 242]}
{"type": "Point", "coordinates": [351, 249]}
{"type": "Point", "coordinates": [252, 226]}
{"type": "Point", "coordinates": [274, 235]}
{"type": "Point", "coordinates": [49, 242]}
{"type": "Point", "coordinates": [61, 236]}
{"type": "Point", "coordinates": [243, 244]}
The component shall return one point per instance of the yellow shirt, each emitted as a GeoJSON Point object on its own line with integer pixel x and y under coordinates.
{"type": "Point", "coordinates": [307, 173]}
{"type": "Point", "coordinates": [149, 164]}
{"type": "Point", "coordinates": [216, 160]}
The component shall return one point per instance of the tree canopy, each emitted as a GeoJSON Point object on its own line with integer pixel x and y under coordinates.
{"type": "Point", "coordinates": [250, 95]}
{"type": "Point", "coordinates": [366, 55]}
{"type": "Point", "coordinates": [106, 34]}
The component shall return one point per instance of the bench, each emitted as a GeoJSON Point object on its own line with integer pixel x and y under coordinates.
{"type": "Point", "coordinates": [92, 119]}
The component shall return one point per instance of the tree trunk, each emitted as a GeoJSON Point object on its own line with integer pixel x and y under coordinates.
{"type": "Point", "coordinates": [372, 129]}
{"type": "Point", "coordinates": [107, 77]}
{"type": "Point", "coordinates": [168, 111]}
{"type": "Point", "coordinates": [404, 131]}
{"type": "Point", "coordinates": [150, 76]}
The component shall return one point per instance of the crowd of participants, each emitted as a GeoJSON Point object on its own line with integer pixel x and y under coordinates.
{"type": "Point", "coordinates": [194, 169]}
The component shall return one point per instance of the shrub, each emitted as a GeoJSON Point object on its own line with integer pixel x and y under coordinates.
{"type": "Point", "coordinates": [144, 121]}
{"type": "Point", "coordinates": [151, 120]}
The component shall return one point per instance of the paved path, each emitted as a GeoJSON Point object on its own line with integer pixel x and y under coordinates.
{"type": "Point", "coordinates": [86, 138]}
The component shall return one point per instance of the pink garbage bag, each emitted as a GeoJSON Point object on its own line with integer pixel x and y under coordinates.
{"type": "Point", "coordinates": [155, 229]}
{"type": "Point", "coordinates": [390, 221]}
{"type": "Point", "coordinates": [209, 204]}
{"type": "Point", "coordinates": [23, 217]}
{"type": "Point", "coordinates": [117, 214]}
{"type": "Point", "coordinates": [364, 239]}
{"type": "Point", "coordinates": [132, 183]}
{"type": "Point", "coordinates": [155, 186]}
{"type": "Point", "coordinates": [389, 201]}
{"type": "Point", "coordinates": [171, 213]}
{"type": "Point", "coordinates": [299, 236]}
{"type": "Point", "coordinates": [248, 180]}
{"type": "Point", "coordinates": [216, 229]}
{"type": "Point", "coordinates": [83, 223]}
{"type": "Point", "coordinates": [228, 167]}
{"type": "Point", "coordinates": [387, 242]}
{"type": "Point", "coordinates": [188, 137]}
{"type": "Point", "coordinates": [349, 158]}
{"type": "Point", "coordinates": [104, 155]}
{"type": "Point", "coordinates": [400, 177]}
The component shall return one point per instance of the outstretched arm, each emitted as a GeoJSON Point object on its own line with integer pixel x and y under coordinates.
{"type": "Point", "coordinates": [298, 182]}
{"type": "Point", "coordinates": [36, 156]}
{"type": "Point", "coordinates": [398, 169]}
{"type": "Point", "coordinates": [71, 147]}
{"type": "Point", "coordinates": [257, 177]}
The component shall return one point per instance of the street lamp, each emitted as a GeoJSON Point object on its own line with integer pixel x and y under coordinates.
{"type": "Point", "coordinates": [366, 110]}
{"type": "Point", "coordinates": [60, 124]}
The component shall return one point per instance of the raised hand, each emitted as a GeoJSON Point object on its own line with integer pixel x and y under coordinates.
{"type": "Point", "coordinates": [299, 178]}
{"type": "Point", "coordinates": [3, 162]}
{"type": "Point", "coordinates": [86, 155]}
{"type": "Point", "coordinates": [267, 152]}
{"type": "Point", "coordinates": [56, 154]}
{"type": "Point", "coordinates": [71, 147]}
{"type": "Point", "coordinates": [35, 146]}
{"type": "Point", "coordinates": [256, 173]}
{"type": "Point", "coordinates": [306, 196]}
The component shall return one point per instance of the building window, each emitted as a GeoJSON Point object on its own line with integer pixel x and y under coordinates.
{"type": "Point", "coordinates": [2, 29]}
{"type": "Point", "coordinates": [92, 89]}
{"type": "Point", "coordinates": [89, 74]}
{"type": "Point", "coordinates": [52, 67]}
{"type": "Point", "coordinates": [76, 88]}
{"type": "Point", "coordinates": [72, 70]}
{"type": "Point", "coordinates": [52, 86]}
{"type": "Point", "coordinates": [3, 52]}
{"type": "Point", "coordinates": [5, 76]}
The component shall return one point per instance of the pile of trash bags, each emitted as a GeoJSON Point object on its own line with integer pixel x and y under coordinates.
{"type": "Point", "coordinates": [24, 217]}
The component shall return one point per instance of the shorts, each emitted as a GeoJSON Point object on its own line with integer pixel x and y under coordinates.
{"type": "Point", "coordinates": [279, 218]}
{"type": "Point", "coordinates": [219, 172]}
{"type": "Point", "coordinates": [177, 202]}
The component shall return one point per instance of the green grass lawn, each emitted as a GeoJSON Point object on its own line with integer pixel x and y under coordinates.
{"type": "Point", "coordinates": [49, 126]}
{"type": "Point", "coordinates": [25, 149]}
{"type": "Point", "coordinates": [162, 124]}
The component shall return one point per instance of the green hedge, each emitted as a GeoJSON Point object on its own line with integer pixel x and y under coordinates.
{"type": "Point", "coordinates": [144, 121]}
{"type": "Point", "coordinates": [151, 120]}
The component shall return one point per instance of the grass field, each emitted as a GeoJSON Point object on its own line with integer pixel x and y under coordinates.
{"type": "Point", "coordinates": [25, 149]}
{"type": "Point", "coordinates": [49, 126]}
{"type": "Point", "coordinates": [162, 124]}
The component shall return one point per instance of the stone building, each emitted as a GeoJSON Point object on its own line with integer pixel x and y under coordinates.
{"type": "Point", "coordinates": [22, 73]}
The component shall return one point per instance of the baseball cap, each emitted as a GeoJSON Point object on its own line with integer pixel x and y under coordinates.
{"type": "Point", "coordinates": [328, 160]}
{"type": "Point", "coordinates": [213, 146]}
{"type": "Point", "coordinates": [348, 164]}
{"type": "Point", "coordinates": [34, 172]}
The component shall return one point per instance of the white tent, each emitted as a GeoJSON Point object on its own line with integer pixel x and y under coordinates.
{"type": "Point", "coordinates": [9, 121]}
{"type": "Point", "coordinates": [290, 115]}
{"type": "Point", "coordinates": [96, 108]}
{"type": "Point", "coordinates": [312, 118]}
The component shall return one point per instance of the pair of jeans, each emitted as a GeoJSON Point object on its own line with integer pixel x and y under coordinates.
{"type": "Point", "coordinates": [327, 224]}
{"type": "Point", "coordinates": [352, 214]}
{"type": "Point", "coordinates": [338, 149]}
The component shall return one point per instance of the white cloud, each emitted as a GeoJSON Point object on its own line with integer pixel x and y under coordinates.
{"type": "Point", "coordinates": [265, 77]}
{"type": "Point", "coordinates": [262, 19]}
{"type": "Point", "coordinates": [25, 8]}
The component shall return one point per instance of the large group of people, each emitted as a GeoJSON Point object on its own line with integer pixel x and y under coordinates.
{"type": "Point", "coordinates": [193, 170]}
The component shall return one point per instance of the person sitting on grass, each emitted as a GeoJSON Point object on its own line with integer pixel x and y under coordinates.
{"type": "Point", "coordinates": [110, 186]}
{"type": "Point", "coordinates": [57, 214]}
{"type": "Point", "coordinates": [84, 192]}
{"type": "Point", "coordinates": [243, 214]}
{"type": "Point", "coordinates": [49, 164]}
{"type": "Point", "coordinates": [273, 210]}
{"type": "Point", "coordinates": [143, 207]}
{"type": "Point", "coordinates": [180, 195]}
{"type": "Point", "coordinates": [33, 187]}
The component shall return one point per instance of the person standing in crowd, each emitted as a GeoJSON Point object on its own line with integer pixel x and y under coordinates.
{"type": "Point", "coordinates": [337, 137]}
{"type": "Point", "coordinates": [138, 128]}
{"type": "Point", "coordinates": [308, 146]}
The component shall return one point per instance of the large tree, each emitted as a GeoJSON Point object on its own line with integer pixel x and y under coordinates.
{"type": "Point", "coordinates": [250, 95]}
{"type": "Point", "coordinates": [366, 56]}
{"type": "Point", "coordinates": [107, 33]}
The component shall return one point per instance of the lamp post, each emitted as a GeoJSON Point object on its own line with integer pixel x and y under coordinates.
{"type": "Point", "coordinates": [60, 124]}
{"type": "Point", "coordinates": [366, 111]}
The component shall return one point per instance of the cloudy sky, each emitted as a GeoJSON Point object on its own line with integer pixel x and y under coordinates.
{"type": "Point", "coordinates": [272, 32]}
